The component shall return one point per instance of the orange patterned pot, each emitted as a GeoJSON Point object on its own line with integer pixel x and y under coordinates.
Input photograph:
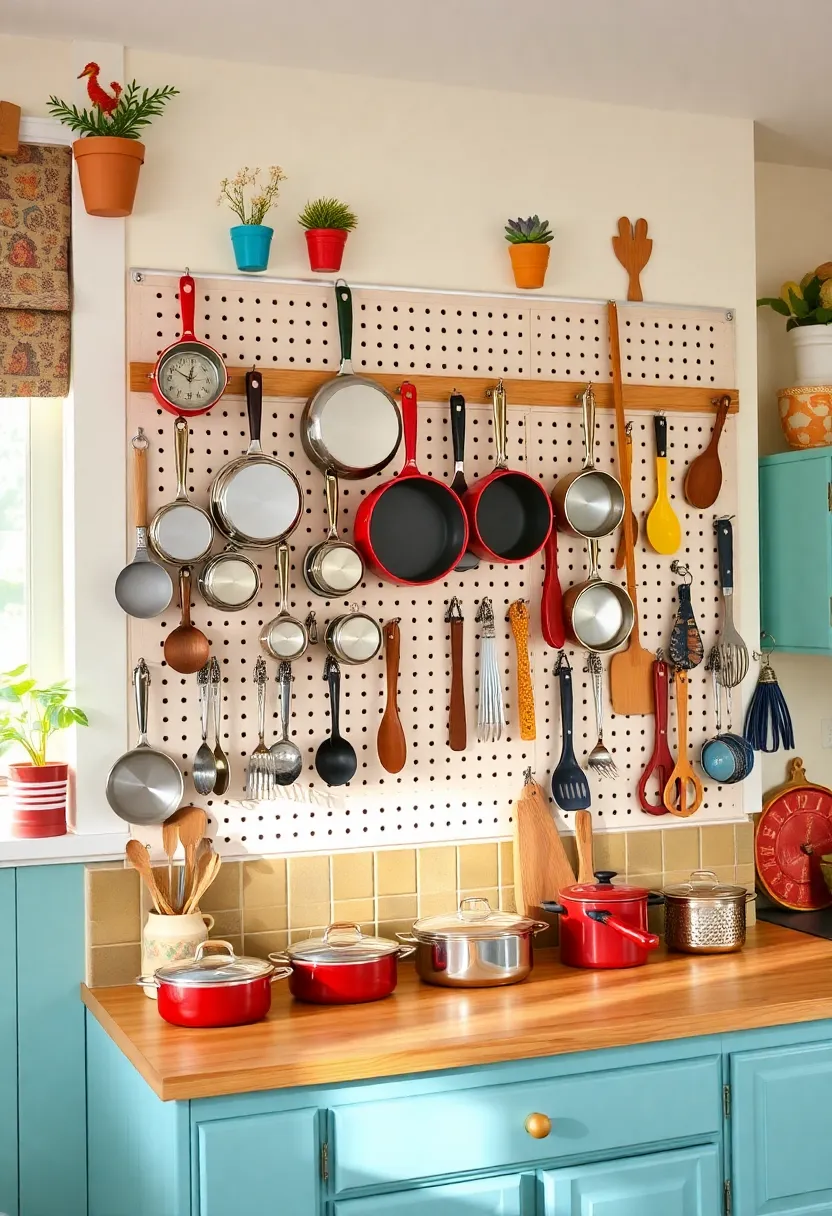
{"type": "Point", "coordinates": [806, 416]}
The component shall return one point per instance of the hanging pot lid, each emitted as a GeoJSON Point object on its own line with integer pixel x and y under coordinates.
{"type": "Point", "coordinates": [603, 890]}
{"type": "Point", "coordinates": [206, 970]}
{"type": "Point", "coordinates": [474, 918]}
{"type": "Point", "coordinates": [704, 884]}
{"type": "Point", "coordinates": [342, 942]}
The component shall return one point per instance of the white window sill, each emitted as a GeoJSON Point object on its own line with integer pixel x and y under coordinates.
{"type": "Point", "coordinates": [58, 850]}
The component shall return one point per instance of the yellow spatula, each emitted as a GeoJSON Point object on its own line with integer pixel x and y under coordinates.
{"type": "Point", "coordinates": [663, 530]}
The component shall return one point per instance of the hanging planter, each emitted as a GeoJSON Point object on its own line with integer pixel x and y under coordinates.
{"type": "Point", "coordinates": [251, 239]}
{"type": "Point", "coordinates": [109, 155]}
{"type": "Point", "coordinates": [328, 223]}
{"type": "Point", "coordinates": [529, 250]}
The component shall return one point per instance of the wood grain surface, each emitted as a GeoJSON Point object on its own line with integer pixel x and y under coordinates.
{"type": "Point", "coordinates": [781, 977]}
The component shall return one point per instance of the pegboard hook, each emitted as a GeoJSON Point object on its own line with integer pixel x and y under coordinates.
{"type": "Point", "coordinates": [682, 570]}
{"type": "Point", "coordinates": [485, 617]}
{"type": "Point", "coordinates": [527, 776]}
{"type": "Point", "coordinates": [454, 612]}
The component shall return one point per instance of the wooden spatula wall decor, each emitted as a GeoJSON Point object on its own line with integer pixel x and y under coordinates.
{"type": "Point", "coordinates": [633, 248]}
{"type": "Point", "coordinates": [541, 867]}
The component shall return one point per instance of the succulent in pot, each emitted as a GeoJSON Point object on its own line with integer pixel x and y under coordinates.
{"type": "Point", "coordinates": [328, 222]}
{"type": "Point", "coordinates": [528, 247]}
{"type": "Point", "coordinates": [251, 239]}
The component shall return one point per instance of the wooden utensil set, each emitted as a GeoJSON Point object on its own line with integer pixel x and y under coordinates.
{"type": "Point", "coordinates": [177, 891]}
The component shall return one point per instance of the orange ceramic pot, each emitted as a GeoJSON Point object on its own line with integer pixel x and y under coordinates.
{"type": "Point", "coordinates": [806, 416]}
{"type": "Point", "coordinates": [108, 167]}
{"type": "Point", "coordinates": [529, 261]}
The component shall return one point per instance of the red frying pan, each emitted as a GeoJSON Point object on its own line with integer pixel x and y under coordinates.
{"type": "Point", "coordinates": [411, 530]}
{"type": "Point", "coordinates": [190, 375]}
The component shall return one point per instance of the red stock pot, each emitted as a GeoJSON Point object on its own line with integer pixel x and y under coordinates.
{"type": "Point", "coordinates": [214, 990]}
{"type": "Point", "coordinates": [343, 967]}
{"type": "Point", "coordinates": [604, 926]}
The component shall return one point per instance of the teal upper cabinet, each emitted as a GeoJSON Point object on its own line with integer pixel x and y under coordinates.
{"type": "Point", "coordinates": [796, 550]}
{"type": "Point", "coordinates": [684, 1183]}
{"type": "Point", "coordinates": [782, 1121]}
{"type": "Point", "coordinates": [260, 1165]}
{"type": "Point", "coordinates": [492, 1197]}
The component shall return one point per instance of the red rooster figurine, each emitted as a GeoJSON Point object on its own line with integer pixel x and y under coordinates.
{"type": "Point", "coordinates": [105, 103]}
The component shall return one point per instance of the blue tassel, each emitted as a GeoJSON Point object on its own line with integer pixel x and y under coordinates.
{"type": "Point", "coordinates": [768, 724]}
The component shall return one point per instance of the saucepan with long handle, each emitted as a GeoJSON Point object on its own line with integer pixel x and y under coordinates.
{"type": "Point", "coordinates": [144, 785]}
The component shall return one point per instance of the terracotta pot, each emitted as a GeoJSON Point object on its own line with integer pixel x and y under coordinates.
{"type": "Point", "coordinates": [806, 416]}
{"type": "Point", "coordinates": [529, 261]}
{"type": "Point", "coordinates": [108, 167]}
{"type": "Point", "coordinates": [37, 797]}
{"type": "Point", "coordinates": [326, 248]}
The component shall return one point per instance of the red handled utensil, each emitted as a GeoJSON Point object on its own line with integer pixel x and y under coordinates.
{"type": "Point", "coordinates": [661, 762]}
{"type": "Point", "coordinates": [551, 601]}
{"type": "Point", "coordinates": [189, 376]}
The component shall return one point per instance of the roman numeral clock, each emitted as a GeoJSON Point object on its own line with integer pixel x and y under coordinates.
{"type": "Point", "coordinates": [793, 835]}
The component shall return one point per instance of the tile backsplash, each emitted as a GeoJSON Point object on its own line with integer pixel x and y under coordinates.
{"type": "Point", "coordinates": [262, 905]}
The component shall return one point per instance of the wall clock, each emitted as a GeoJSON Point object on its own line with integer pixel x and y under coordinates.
{"type": "Point", "coordinates": [794, 832]}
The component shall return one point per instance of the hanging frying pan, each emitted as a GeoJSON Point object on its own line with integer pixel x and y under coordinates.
{"type": "Point", "coordinates": [509, 512]}
{"type": "Point", "coordinates": [190, 375]}
{"type": "Point", "coordinates": [181, 532]}
{"type": "Point", "coordinates": [411, 530]}
{"type": "Point", "coordinates": [352, 425]}
{"type": "Point", "coordinates": [256, 500]}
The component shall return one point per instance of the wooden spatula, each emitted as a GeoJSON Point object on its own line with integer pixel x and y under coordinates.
{"type": "Point", "coordinates": [541, 867]}
{"type": "Point", "coordinates": [391, 744]}
{"type": "Point", "coordinates": [583, 840]}
{"type": "Point", "coordinates": [633, 248]}
{"type": "Point", "coordinates": [703, 480]}
{"type": "Point", "coordinates": [631, 670]}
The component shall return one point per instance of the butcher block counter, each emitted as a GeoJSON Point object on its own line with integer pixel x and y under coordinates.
{"type": "Point", "coordinates": [780, 978]}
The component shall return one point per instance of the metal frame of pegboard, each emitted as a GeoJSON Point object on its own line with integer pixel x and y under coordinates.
{"type": "Point", "coordinates": [440, 795]}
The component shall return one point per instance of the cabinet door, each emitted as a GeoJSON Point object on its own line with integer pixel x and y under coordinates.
{"type": "Point", "coordinates": [781, 1127]}
{"type": "Point", "coordinates": [683, 1183]}
{"type": "Point", "coordinates": [489, 1197]}
{"type": "Point", "coordinates": [259, 1165]}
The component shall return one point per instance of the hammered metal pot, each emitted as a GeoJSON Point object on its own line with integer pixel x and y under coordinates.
{"type": "Point", "coordinates": [705, 916]}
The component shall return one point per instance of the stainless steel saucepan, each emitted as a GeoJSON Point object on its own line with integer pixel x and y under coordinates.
{"type": "Point", "coordinates": [589, 503]}
{"type": "Point", "coordinates": [229, 580]}
{"type": "Point", "coordinates": [144, 786]}
{"type": "Point", "coordinates": [354, 637]}
{"type": "Point", "coordinates": [474, 947]}
{"type": "Point", "coordinates": [284, 637]}
{"type": "Point", "coordinates": [333, 567]}
{"type": "Point", "coordinates": [181, 532]}
{"type": "Point", "coordinates": [599, 615]}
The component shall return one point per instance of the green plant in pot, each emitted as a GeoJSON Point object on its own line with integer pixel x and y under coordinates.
{"type": "Point", "coordinates": [251, 201]}
{"type": "Point", "coordinates": [528, 247]}
{"type": "Point", "coordinates": [109, 153]}
{"type": "Point", "coordinates": [328, 222]}
{"type": "Point", "coordinates": [29, 717]}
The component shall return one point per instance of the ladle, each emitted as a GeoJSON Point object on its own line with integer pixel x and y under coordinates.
{"type": "Point", "coordinates": [288, 761]}
{"type": "Point", "coordinates": [186, 648]}
{"type": "Point", "coordinates": [335, 759]}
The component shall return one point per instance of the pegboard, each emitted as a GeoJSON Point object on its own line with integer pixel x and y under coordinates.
{"type": "Point", "coordinates": [440, 795]}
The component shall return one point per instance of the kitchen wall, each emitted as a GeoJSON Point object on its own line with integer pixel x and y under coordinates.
{"type": "Point", "coordinates": [794, 234]}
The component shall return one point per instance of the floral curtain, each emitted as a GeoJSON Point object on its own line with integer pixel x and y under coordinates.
{"type": "Point", "coordinates": [34, 272]}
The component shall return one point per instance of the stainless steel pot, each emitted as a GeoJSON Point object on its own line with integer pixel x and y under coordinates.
{"type": "Point", "coordinates": [229, 580]}
{"type": "Point", "coordinates": [589, 503]}
{"type": "Point", "coordinates": [705, 916]}
{"type": "Point", "coordinates": [332, 567]}
{"type": "Point", "coordinates": [353, 637]}
{"type": "Point", "coordinates": [474, 947]}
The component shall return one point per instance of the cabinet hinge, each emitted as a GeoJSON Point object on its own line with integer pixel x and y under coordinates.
{"type": "Point", "coordinates": [726, 1101]}
{"type": "Point", "coordinates": [829, 494]}
{"type": "Point", "coordinates": [325, 1161]}
{"type": "Point", "coordinates": [727, 1194]}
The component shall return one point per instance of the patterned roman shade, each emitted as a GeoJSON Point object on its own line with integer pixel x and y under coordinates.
{"type": "Point", "coordinates": [34, 272]}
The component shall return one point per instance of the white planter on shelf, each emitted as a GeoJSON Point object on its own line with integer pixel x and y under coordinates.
{"type": "Point", "coordinates": [812, 354]}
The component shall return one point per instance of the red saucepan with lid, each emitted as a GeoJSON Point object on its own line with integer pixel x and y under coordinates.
{"type": "Point", "coordinates": [190, 375]}
{"type": "Point", "coordinates": [343, 967]}
{"type": "Point", "coordinates": [604, 926]}
{"type": "Point", "coordinates": [216, 989]}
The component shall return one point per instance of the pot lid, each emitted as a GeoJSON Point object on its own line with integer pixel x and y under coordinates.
{"type": "Point", "coordinates": [474, 918]}
{"type": "Point", "coordinates": [704, 884]}
{"type": "Point", "coordinates": [584, 892]}
{"type": "Point", "coordinates": [226, 968]}
{"type": "Point", "coordinates": [342, 942]}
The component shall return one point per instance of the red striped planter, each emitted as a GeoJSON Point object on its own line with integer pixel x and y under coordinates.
{"type": "Point", "coordinates": [37, 796]}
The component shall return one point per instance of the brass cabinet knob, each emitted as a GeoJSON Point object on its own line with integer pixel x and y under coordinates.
{"type": "Point", "coordinates": [538, 1125]}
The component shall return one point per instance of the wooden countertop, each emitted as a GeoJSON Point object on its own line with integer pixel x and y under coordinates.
{"type": "Point", "coordinates": [780, 977]}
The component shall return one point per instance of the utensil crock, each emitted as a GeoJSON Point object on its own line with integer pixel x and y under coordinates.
{"type": "Point", "coordinates": [171, 939]}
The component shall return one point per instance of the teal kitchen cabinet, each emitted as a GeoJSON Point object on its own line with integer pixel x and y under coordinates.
{"type": "Point", "coordinates": [489, 1197]}
{"type": "Point", "coordinates": [796, 550]}
{"type": "Point", "coordinates": [685, 1183]}
{"type": "Point", "coordinates": [260, 1164]}
{"type": "Point", "coordinates": [8, 1046]}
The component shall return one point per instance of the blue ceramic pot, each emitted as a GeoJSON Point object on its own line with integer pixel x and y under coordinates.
{"type": "Point", "coordinates": [251, 246]}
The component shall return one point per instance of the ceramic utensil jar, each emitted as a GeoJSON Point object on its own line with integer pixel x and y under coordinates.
{"type": "Point", "coordinates": [171, 939]}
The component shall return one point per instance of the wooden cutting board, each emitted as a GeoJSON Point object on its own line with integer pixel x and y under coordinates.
{"type": "Point", "coordinates": [541, 867]}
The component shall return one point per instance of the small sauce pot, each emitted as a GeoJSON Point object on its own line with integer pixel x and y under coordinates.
{"type": "Point", "coordinates": [605, 926]}
{"type": "Point", "coordinates": [343, 967]}
{"type": "Point", "coordinates": [214, 990]}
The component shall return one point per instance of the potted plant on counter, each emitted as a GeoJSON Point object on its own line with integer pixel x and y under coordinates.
{"type": "Point", "coordinates": [251, 238]}
{"type": "Point", "coordinates": [109, 153]}
{"type": "Point", "coordinates": [29, 717]}
{"type": "Point", "coordinates": [806, 407]}
{"type": "Point", "coordinates": [328, 222]}
{"type": "Point", "coordinates": [528, 247]}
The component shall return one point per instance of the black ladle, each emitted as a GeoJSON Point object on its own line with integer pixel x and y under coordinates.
{"type": "Point", "coordinates": [335, 759]}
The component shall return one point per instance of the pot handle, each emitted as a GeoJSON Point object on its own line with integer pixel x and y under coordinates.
{"type": "Point", "coordinates": [405, 951]}
{"type": "Point", "coordinates": [341, 925]}
{"type": "Point", "coordinates": [408, 939]}
{"type": "Point", "coordinates": [281, 973]}
{"type": "Point", "coordinates": [649, 941]}
{"type": "Point", "coordinates": [549, 905]}
{"type": "Point", "coordinates": [538, 926]}
{"type": "Point", "coordinates": [206, 945]}
{"type": "Point", "coordinates": [146, 981]}
{"type": "Point", "coordinates": [655, 899]}
{"type": "Point", "coordinates": [750, 896]}
{"type": "Point", "coordinates": [279, 956]}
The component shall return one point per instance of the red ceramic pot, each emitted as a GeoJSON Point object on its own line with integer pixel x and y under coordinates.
{"type": "Point", "coordinates": [343, 967]}
{"type": "Point", "coordinates": [604, 926]}
{"type": "Point", "coordinates": [214, 990]}
{"type": "Point", "coordinates": [37, 798]}
{"type": "Point", "coordinates": [326, 248]}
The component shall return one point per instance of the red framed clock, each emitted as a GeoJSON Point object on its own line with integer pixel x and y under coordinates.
{"type": "Point", "coordinates": [794, 832]}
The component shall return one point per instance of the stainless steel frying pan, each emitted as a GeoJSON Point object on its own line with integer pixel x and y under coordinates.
{"type": "Point", "coordinates": [181, 532]}
{"type": "Point", "coordinates": [144, 786]}
{"type": "Point", "coordinates": [256, 500]}
{"type": "Point", "coordinates": [352, 425]}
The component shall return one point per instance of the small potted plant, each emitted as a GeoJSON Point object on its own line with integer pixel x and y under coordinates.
{"type": "Point", "coordinates": [29, 716]}
{"type": "Point", "coordinates": [251, 238]}
{"type": "Point", "coordinates": [328, 223]}
{"type": "Point", "coordinates": [528, 247]}
{"type": "Point", "coordinates": [806, 408]}
{"type": "Point", "coordinates": [109, 153]}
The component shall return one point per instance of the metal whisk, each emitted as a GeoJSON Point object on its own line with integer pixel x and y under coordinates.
{"type": "Point", "coordinates": [491, 716]}
{"type": "Point", "coordinates": [260, 783]}
{"type": "Point", "coordinates": [733, 652]}
{"type": "Point", "coordinates": [600, 759]}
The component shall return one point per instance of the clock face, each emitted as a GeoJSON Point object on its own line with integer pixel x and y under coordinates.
{"type": "Point", "coordinates": [794, 832]}
{"type": "Point", "coordinates": [189, 380]}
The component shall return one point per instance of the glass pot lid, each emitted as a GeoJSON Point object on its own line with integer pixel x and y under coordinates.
{"type": "Point", "coordinates": [603, 890]}
{"type": "Point", "coordinates": [704, 884]}
{"type": "Point", "coordinates": [474, 918]}
{"type": "Point", "coordinates": [342, 942]}
{"type": "Point", "coordinates": [207, 969]}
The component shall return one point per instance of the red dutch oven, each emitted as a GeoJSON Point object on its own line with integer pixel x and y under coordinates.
{"type": "Point", "coordinates": [214, 990]}
{"type": "Point", "coordinates": [605, 926]}
{"type": "Point", "coordinates": [343, 967]}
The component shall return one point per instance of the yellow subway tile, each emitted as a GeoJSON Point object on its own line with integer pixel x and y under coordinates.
{"type": "Point", "coordinates": [389, 928]}
{"type": "Point", "coordinates": [478, 866]}
{"type": "Point", "coordinates": [681, 849]}
{"type": "Point", "coordinates": [396, 872]}
{"type": "Point", "coordinates": [109, 965]}
{"type": "Point", "coordinates": [264, 882]}
{"type": "Point", "coordinates": [309, 881]}
{"type": "Point", "coordinates": [225, 890]}
{"type": "Point", "coordinates": [506, 863]}
{"type": "Point", "coordinates": [352, 876]}
{"type": "Point", "coordinates": [265, 920]}
{"type": "Point", "coordinates": [354, 911]}
{"type": "Point", "coordinates": [507, 900]}
{"type": "Point", "coordinates": [609, 851]}
{"type": "Point", "coordinates": [644, 852]}
{"type": "Point", "coordinates": [396, 907]}
{"type": "Point", "coordinates": [302, 935]}
{"type": "Point", "coordinates": [261, 945]}
{"type": "Point", "coordinates": [227, 924]}
{"type": "Point", "coordinates": [746, 876]}
{"type": "Point", "coordinates": [717, 845]}
{"type": "Point", "coordinates": [725, 873]}
{"type": "Point", "coordinates": [653, 882]}
{"type": "Point", "coordinates": [113, 906]}
{"type": "Point", "coordinates": [671, 877]}
{"type": "Point", "coordinates": [744, 843]}
{"type": "Point", "coordinates": [437, 870]}
{"type": "Point", "coordinates": [302, 916]}
{"type": "Point", "coordinates": [436, 904]}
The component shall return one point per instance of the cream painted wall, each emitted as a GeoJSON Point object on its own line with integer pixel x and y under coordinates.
{"type": "Point", "coordinates": [794, 234]}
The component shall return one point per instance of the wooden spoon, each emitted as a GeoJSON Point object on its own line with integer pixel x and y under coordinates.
{"type": "Point", "coordinates": [683, 775]}
{"type": "Point", "coordinates": [186, 648]}
{"type": "Point", "coordinates": [391, 743]}
{"type": "Point", "coordinates": [139, 859]}
{"type": "Point", "coordinates": [170, 842]}
{"type": "Point", "coordinates": [207, 870]}
{"type": "Point", "coordinates": [703, 480]}
{"type": "Point", "coordinates": [191, 825]}
{"type": "Point", "coordinates": [583, 840]}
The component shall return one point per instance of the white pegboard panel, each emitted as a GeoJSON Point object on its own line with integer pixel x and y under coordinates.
{"type": "Point", "coordinates": [440, 795]}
